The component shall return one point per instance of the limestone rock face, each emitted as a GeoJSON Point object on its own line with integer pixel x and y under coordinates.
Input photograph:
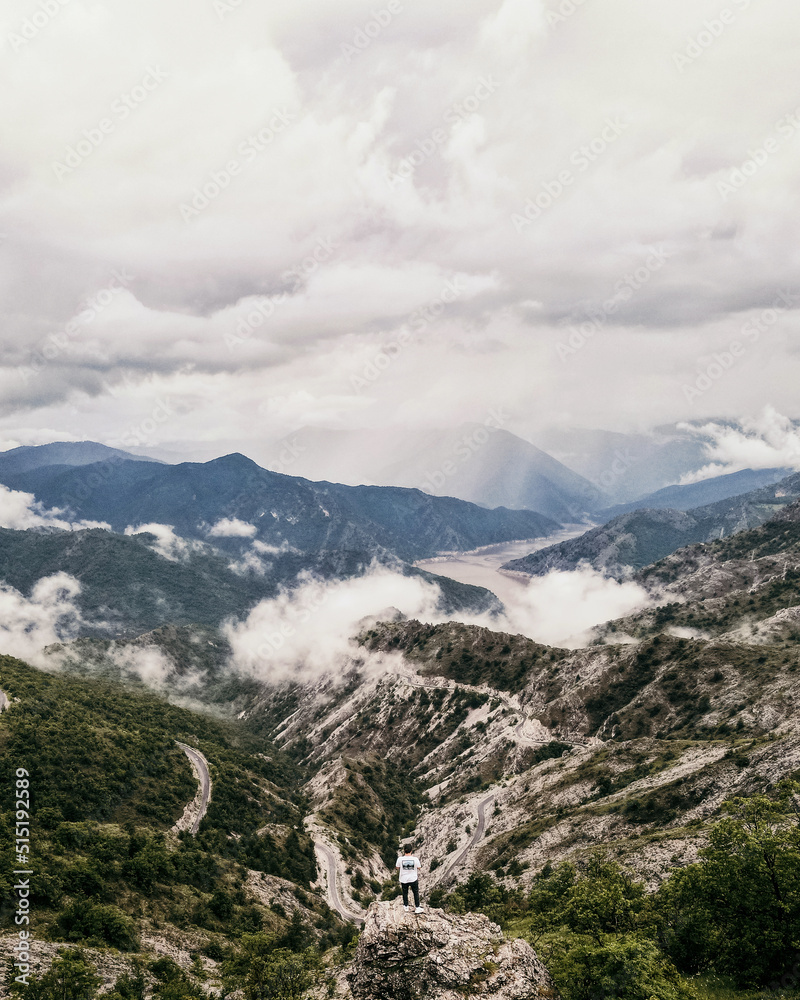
{"type": "Point", "coordinates": [441, 956]}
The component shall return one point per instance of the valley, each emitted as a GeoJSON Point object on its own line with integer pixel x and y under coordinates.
{"type": "Point", "coordinates": [482, 567]}
{"type": "Point", "coordinates": [216, 805]}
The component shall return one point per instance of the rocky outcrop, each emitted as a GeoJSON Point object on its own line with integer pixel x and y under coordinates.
{"type": "Point", "coordinates": [441, 956]}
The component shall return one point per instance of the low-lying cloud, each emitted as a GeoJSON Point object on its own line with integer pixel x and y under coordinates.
{"type": "Point", "coordinates": [50, 614]}
{"type": "Point", "coordinates": [560, 608]}
{"type": "Point", "coordinates": [22, 511]}
{"type": "Point", "coordinates": [167, 544]}
{"type": "Point", "coordinates": [768, 441]}
{"type": "Point", "coordinates": [232, 527]}
{"type": "Point", "coordinates": [154, 667]}
{"type": "Point", "coordinates": [308, 632]}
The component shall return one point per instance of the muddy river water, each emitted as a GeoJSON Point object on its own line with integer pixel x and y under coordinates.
{"type": "Point", "coordinates": [481, 567]}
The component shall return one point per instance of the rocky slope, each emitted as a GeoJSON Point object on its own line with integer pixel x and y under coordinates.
{"type": "Point", "coordinates": [632, 541]}
{"type": "Point", "coordinates": [443, 957]}
{"type": "Point", "coordinates": [745, 588]}
{"type": "Point", "coordinates": [536, 754]}
{"type": "Point", "coordinates": [527, 754]}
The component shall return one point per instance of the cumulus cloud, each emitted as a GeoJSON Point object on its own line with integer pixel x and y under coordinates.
{"type": "Point", "coordinates": [560, 608]}
{"type": "Point", "coordinates": [21, 511]}
{"type": "Point", "coordinates": [50, 614]}
{"type": "Point", "coordinates": [232, 527]}
{"type": "Point", "coordinates": [768, 441]}
{"type": "Point", "coordinates": [307, 632]}
{"type": "Point", "coordinates": [167, 543]}
{"type": "Point", "coordinates": [258, 557]}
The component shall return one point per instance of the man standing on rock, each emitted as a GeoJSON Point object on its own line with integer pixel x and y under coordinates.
{"type": "Point", "coordinates": [409, 865]}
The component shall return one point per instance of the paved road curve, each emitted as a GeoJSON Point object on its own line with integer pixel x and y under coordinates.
{"type": "Point", "coordinates": [477, 835]}
{"type": "Point", "coordinates": [333, 890]}
{"type": "Point", "coordinates": [200, 768]}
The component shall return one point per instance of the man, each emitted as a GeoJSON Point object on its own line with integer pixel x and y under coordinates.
{"type": "Point", "coordinates": [409, 865]}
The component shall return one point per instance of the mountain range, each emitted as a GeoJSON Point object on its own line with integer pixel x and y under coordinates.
{"type": "Point", "coordinates": [706, 491]}
{"type": "Point", "coordinates": [270, 508]}
{"type": "Point", "coordinates": [526, 774]}
{"type": "Point", "coordinates": [633, 540]}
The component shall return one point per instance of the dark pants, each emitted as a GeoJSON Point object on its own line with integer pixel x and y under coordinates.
{"type": "Point", "coordinates": [414, 887]}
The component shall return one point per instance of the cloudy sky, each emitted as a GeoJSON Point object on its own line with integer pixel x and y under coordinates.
{"type": "Point", "coordinates": [223, 220]}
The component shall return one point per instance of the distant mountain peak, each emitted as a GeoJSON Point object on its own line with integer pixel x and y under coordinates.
{"type": "Point", "coordinates": [236, 460]}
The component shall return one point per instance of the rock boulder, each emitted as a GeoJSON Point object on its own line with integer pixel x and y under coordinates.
{"type": "Point", "coordinates": [442, 956]}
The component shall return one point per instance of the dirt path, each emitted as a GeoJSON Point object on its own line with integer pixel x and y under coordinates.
{"type": "Point", "coordinates": [197, 808]}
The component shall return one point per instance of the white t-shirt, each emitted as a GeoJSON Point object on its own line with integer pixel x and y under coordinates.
{"type": "Point", "coordinates": [409, 865]}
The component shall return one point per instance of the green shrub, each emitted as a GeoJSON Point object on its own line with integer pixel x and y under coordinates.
{"type": "Point", "coordinates": [97, 924]}
{"type": "Point", "coordinates": [623, 967]}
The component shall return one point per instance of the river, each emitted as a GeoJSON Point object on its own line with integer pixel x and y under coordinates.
{"type": "Point", "coordinates": [481, 567]}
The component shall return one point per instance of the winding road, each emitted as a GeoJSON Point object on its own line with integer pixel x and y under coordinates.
{"type": "Point", "coordinates": [477, 835]}
{"type": "Point", "coordinates": [197, 808]}
{"type": "Point", "coordinates": [334, 900]}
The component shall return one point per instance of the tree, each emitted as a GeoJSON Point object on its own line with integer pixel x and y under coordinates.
{"type": "Point", "coordinates": [621, 967]}
{"type": "Point", "coordinates": [70, 977]}
{"type": "Point", "coordinates": [98, 924]}
{"type": "Point", "coordinates": [605, 901]}
{"type": "Point", "coordinates": [129, 986]}
{"type": "Point", "coordinates": [738, 909]}
{"type": "Point", "coordinates": [283, 975]}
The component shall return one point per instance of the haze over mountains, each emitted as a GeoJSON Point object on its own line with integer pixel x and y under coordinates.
{"type": "Point", "coordinates": [274, 526]}
{"type": "Point", "coordinates": [482, 463]}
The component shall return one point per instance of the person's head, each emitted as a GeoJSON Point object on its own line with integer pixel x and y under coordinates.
{"type": "Point", "coordinates": [406, 848]}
